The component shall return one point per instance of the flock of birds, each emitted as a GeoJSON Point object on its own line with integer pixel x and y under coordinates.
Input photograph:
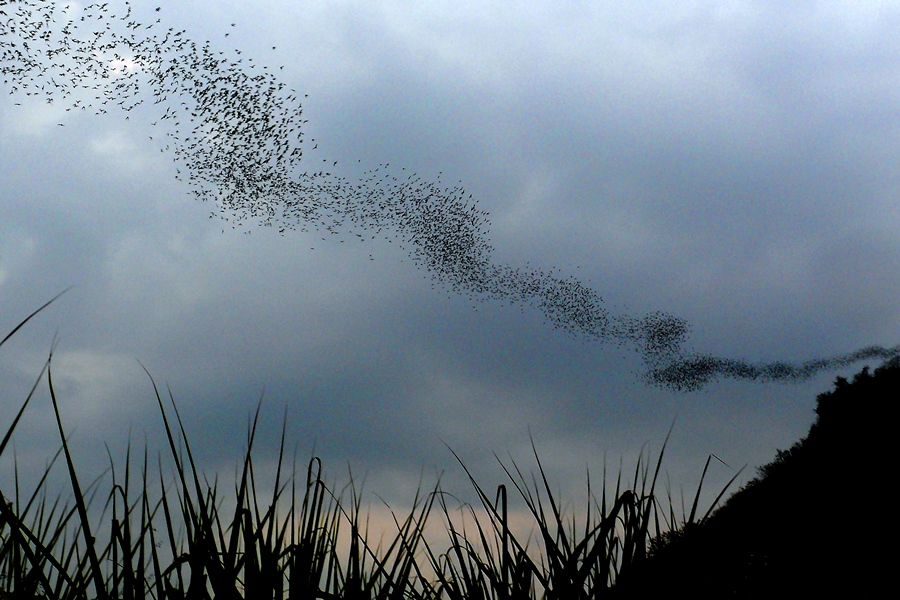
{"type": "Point", "coordinates": [236, 135]}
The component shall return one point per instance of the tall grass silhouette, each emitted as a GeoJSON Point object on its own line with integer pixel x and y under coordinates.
{"type": "Point", "coordinates": [173, 539]}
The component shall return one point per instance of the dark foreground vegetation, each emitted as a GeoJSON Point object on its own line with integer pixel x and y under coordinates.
{"type": "Point", "coordinates": [816, 520]}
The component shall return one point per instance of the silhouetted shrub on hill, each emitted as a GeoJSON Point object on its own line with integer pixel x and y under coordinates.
{"type": "Point", "coordinates": [818, 521]}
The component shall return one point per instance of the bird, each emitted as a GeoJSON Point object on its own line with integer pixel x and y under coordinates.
{"type": "Point", "coordinates": [237, 141]}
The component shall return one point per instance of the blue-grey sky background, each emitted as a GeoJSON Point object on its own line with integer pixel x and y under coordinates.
{"type": "Point", "coordinates": [734, 164]}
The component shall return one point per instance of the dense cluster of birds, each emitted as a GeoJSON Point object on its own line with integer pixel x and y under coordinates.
{"type": "Point", "coordinates": [236, 134]}
{"type": "Point", "coordinates": [693, 372]}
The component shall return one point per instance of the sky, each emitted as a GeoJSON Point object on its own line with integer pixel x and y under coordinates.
{"type": "Point", "coordinates": [731, 166]}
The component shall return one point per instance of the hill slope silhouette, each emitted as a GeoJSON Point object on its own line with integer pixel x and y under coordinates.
{"type": "Point", "coordinates": [818, 521]}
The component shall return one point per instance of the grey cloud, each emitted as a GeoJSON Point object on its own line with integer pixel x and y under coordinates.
{"type": "Point", "coordinates": [680, 172]}
{"type": "Point", "coordinates": [250, 167]}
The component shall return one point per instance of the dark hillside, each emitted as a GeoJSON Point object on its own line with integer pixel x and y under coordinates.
{"type": "Point", "coordinates": [818, 521]}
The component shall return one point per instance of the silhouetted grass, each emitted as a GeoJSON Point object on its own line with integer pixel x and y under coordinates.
{"type": "Point", "coordinates": [178, 542]}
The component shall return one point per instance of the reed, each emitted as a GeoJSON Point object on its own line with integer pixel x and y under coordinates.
{"type": "Point", "coordinates": [174, 540]}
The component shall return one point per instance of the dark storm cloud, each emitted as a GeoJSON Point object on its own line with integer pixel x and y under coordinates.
{"type": "Point", "coordinates": [236, 134]}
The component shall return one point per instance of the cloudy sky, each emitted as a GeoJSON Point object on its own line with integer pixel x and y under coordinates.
{"type": "Point", "coordinates": [733, 164]}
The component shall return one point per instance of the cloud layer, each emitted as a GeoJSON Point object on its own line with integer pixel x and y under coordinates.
{"type": "Point", "coordinates": [237, 135]}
